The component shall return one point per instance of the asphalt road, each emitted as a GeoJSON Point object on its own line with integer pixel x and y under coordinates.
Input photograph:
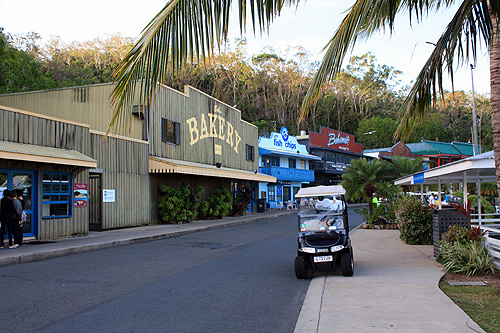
{"type": "Point", "coordinates": [231, 279]}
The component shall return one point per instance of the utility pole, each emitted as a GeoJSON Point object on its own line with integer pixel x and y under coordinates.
{"type": "Point", "coordinates": [474, 118]}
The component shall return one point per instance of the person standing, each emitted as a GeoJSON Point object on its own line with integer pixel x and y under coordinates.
{"type": "Point", "coordinates": [19, 205]}
{"type": "Point", "coordinates": [8, 215]}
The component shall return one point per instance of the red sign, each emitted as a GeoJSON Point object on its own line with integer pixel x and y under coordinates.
{"type": "Point", "coordinates": [329, 138]}
{"type": "Point", "coordinates": [80, 194]}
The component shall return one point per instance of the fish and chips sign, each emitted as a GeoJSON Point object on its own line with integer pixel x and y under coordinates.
{"type": "Point", "coordinates": [329, 138]}
{"type": "Point", "coordinates": [213, 125]}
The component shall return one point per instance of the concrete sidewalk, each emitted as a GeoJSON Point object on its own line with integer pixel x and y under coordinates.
{"type": "Point", "coordinates": [394, 288]}
{"type": "Point", "coordinates": [33, 251]}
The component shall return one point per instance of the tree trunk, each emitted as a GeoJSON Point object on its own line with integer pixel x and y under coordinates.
{"type": "Point", "coordinates": [495, 99]}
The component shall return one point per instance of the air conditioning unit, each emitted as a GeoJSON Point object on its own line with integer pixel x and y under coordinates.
{"type": "Point", "coordinates": [139, 111]}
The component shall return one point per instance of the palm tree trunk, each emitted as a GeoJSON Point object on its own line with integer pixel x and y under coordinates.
{"type": "Point", "coordinates": [495, 99]}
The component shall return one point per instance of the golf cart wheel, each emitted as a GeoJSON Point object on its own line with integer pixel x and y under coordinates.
{"type": "Point", "coordinates": [347, 264]}
{"type": "Point", "coordinates": [301, 271]}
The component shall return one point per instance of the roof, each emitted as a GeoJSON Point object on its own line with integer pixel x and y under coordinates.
{"type": "Point", "coordinates": [167, 165]}
{"type": "Point", "coordinates": [320, 191]}
{"type": "Point", "coordinates": [471, 169]}
{"type": "Point", "coordinates": [466, 149]}
{"type": "Point", "coordinates": [269, 151]}
{"type": "Point", "coordinates": [51, 155]}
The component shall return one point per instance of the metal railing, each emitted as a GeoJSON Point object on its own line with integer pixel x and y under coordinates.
{"type": "Point", "coordinates": [490, 224]}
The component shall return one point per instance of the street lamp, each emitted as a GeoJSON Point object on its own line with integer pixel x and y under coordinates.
{"type": "Point", "coordinates": [474, 118]}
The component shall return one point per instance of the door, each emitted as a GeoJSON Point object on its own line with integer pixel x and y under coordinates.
{"type": "Point", "coordinates": [95, 202]}
{"type": "Point", "coordinates": [25, 181]}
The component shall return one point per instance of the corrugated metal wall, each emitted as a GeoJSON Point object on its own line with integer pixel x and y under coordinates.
{"type": "Point", "coordinates": [86, 104]}
{"type": "Point", "coordinates": [23, 127]}
{"type": "Point", "coordinates": [179, 107]}
{"type": "Point", "coordinates": [125, 169]}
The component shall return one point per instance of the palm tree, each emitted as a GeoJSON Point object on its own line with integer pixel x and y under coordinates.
{"type": "Point", "coordinates": [189, 29]}
{"type": "Point", "coordinates": [404, 166]}
{"type": "Point", "coordinates": [362, 179]}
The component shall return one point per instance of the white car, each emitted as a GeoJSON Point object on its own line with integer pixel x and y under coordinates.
{"type": "Point", "coordinates": [331, 203]}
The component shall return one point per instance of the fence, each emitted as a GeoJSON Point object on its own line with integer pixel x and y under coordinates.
{"type": "Point", "coordinates": [490, 224]}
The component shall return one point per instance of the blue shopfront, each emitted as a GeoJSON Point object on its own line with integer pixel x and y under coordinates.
{"type": "Point", "coordinates": [283, 157]}
{"type": "Point", "coordinates": [27, 181]}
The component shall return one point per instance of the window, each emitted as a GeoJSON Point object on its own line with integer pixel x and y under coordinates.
{"type": "Point", "coordinates": [270, 190]}
{"type": "Point", "coordinates": [303, 164]}
{"type": "Point", "coordinates": [170, 131]}
{"type": "Point", "coordinates": [250, 153]}
{"type": "Point", "coordinates": [292, 163]}
{"type": "Point", "coordinates": [271, 161]}
{"type": "Point", "coordinates": [56, 194]}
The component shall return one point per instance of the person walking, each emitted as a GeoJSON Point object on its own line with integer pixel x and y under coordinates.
{"type": "Point", "coordinates": [18, 225]}
{"type": "Point", "coordinates": [8, 215]}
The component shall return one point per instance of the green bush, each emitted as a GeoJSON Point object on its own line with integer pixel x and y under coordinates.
{"type": "Point", "coordinates": [456, 234]}
{"type": "Point", "coordinates": [383, 214]}
{"type": "Point", "coordinates": [414, 219]}
{"type": "Point", "coordinates": [469, 258]}
{"type": "Point", "coordinates": [178, 204]}
{"type": "Point", "coordinates": [216, 206]}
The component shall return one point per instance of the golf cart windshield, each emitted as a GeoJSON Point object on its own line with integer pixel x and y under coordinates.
{"type": "Point", "coordinates": [321, 209]}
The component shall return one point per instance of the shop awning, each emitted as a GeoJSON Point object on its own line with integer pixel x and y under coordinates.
{"type": "Point", "coordinates": [166, 165]}
{"type": "Point", "coordinates": [472, 169]}
{"type": "Point", "coordinates": [268, 151]}
{"type": "Point", "coordinates": [41, 154]}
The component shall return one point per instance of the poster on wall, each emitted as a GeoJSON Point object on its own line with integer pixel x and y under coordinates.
{"type": "Point", "coordinates": [80, 194]}
{"type": "Point", "coordinates": [108, 195]}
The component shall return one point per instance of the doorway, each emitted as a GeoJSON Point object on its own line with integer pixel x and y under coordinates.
{"type": "Point", "coordinates": [95, 202]}
{"type": "Point", "coordinates": [24, 180]}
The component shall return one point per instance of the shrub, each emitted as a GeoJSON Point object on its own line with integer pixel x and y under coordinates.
{"type": "Point", "coordinates": [241, 202]}
{"type": "Point", "coordinates": [216, 206]}
{"type": "Point", "coordinates": [469, 258]}
{"type": "Point", "coordinates": [178, 204]}
{"type": "Point", "coordinates": [414, 219]}
{"type": "Point", "coordinates": [455, 234]}
{"type": "Point", "coordinates": [384, 213]}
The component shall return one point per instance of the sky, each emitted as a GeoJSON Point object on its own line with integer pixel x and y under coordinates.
{"type": "Point", "coordinates": [310, 25]}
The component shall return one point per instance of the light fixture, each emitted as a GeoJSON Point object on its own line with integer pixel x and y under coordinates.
{"type": "Point", "coordinates": [218, 164]}
{"type": "Point", "coordinates": [255, 171]}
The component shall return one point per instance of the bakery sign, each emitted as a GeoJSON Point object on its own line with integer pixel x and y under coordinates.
{"type": "Point", "coordinates": [213, 125]}
{"type": "Point", "coordinates": [329, 138]}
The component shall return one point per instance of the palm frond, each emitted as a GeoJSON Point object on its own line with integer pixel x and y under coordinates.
{"type": "Point", "coordinates": [182, 30]}
{"type": "Point", "coordinates": [459, 43]}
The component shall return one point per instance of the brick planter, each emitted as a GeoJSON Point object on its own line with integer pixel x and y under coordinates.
{"type": "Point", "coordinates": [442, 221]}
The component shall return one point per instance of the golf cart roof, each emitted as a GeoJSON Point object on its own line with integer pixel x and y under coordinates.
{"type": "Point", "coordinates": [320, 191]}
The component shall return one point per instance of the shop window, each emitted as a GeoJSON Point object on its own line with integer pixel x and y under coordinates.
{"type": "Point", "coordinates": [250, 150]}
{"type": "Point", "coordinates": [292, 163]}
{"type": "Point", "coordinates": [170, 131]}
{"type": "Point", "coordinates": [270, 191]}
{"type": "Point", "coordinates": [270, 161]}
{"type": "Point", "coordinates": [303, 164]}
{"type": "Point", "coordinates": [56, 195]}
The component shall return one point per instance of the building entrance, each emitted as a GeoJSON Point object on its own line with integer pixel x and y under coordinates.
{"type": "Point", "coordinates": [26, 181]}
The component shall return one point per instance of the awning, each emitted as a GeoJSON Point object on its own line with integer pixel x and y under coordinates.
{"type": "Point", "coordinates": [476, 168]}
{"type": "Point", "coordinates": [166, 165]}
{"type": "Point", "coordinates": [268, 151]}
{"type": "Point", "coordinates": [41, 154]}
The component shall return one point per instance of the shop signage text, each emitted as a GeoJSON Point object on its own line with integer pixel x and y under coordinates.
{"type": "Point", "coordinates": [337, 140]}
{"type": "Point", "coordinates": [215, 127]}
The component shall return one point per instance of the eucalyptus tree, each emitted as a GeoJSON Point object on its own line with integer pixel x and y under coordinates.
{"type": "Point", "coordinates": [192, 29]}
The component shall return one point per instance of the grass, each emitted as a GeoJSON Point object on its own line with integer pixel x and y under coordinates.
{"type": "Point", "coordinates": [481, 303]}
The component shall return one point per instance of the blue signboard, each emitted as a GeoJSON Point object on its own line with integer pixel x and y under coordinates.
{"type": "Point", "coordinates": [418, 178]}
{"type": "Point", "coordinates": [279, 190]}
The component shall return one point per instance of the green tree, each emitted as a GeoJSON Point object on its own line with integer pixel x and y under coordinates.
{"type": "Point", "coordinates": [363, 178]}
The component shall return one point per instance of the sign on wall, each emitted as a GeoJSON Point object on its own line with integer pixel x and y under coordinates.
{"type": "Point", "coordinates": [80, 194]}
{"type": "Point", "coordinates": [329, 138]}
{"type": "Point", "coordinates": [108, 195]}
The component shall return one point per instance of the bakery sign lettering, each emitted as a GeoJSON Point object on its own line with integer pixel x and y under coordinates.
{"type": "Point", "coordinates": [213, 125]}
